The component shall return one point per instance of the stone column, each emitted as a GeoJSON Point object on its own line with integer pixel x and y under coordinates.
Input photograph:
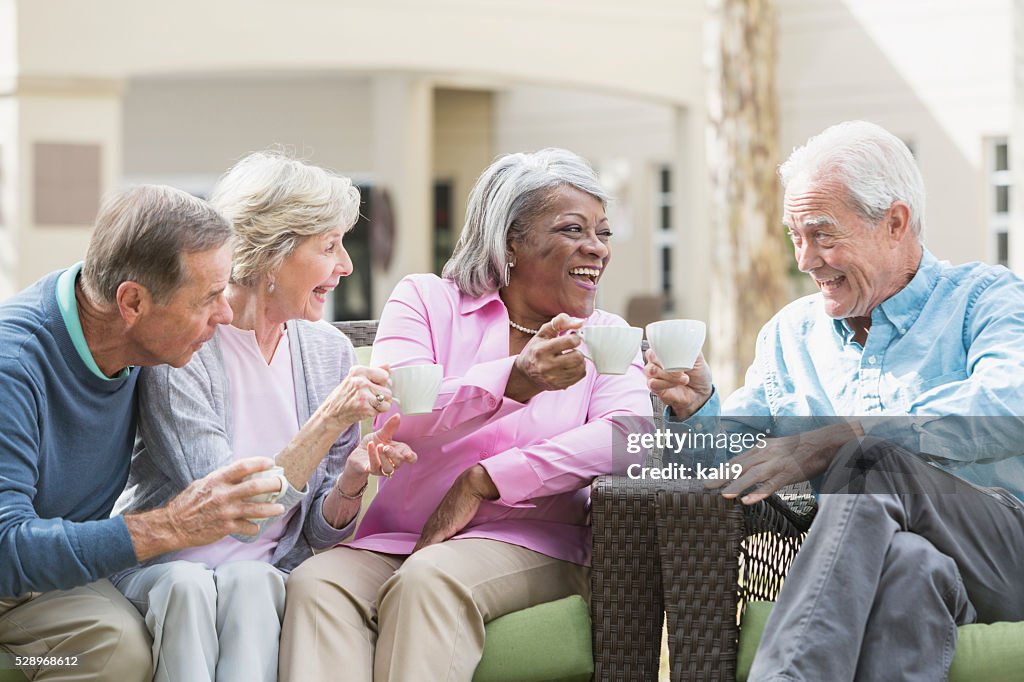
{"type": "Point", "coordinates": [403, 164]}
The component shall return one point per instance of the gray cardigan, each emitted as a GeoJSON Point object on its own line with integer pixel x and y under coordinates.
{"type": "Point", "coordinates": [185, 433]}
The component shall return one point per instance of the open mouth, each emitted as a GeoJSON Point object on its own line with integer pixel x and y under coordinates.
{"type": "Point", "coordinates": [320, 293]}
{"type": "Point", "coordinates": [830, 284]}
{"type": "Point", "coordinates": [588, 276]}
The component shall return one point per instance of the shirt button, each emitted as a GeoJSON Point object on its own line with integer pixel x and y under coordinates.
{"type": "Point", "coordinates": [483, 455]}
{"type": "Point", "coordinates": [872, 360]}
{"type": "Point", "coordinates": [491, 402]}
{"type": "Point", "coordinates": [903, 330]}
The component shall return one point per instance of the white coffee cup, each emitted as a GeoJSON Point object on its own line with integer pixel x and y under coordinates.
{"type": "Point", "coordinates": [270, 497]}
{"type": "Point", "coordinates": [611, 347]}
{"type": "Point", "coordinates": [415, 387]}
{"type": "Point", "coordinates": [677, 342]}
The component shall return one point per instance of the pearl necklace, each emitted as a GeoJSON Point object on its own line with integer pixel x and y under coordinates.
{"type": "Point", "coordinates": [521, 328]}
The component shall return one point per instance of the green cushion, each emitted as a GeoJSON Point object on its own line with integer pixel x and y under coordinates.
{"type": "Point", "coordinates": [543, 643]}
{"type": "Point", "coordinates": [751, 628]}
{"type": "Point", "coordinates": [983, 652]}
{"type": "Point", "coordinates": [8, 673]}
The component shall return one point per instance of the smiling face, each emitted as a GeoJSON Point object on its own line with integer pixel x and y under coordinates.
{"type": "Point", "coordinates": [309, 274]}
{"type": "Point", "coordinates": [170, 332]}
{"type": "Point", "coordinates": [560, 259]}
{"type": "Point", "coordinates": [856, 265]}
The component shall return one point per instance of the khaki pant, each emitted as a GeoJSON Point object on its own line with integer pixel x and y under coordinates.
{"type": "Point", "coordinates": [94, 626]}
{"type": "Point", "coordinates": [358, 615]}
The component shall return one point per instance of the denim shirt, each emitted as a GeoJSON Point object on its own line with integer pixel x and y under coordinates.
{"type": "Point", "coordinates": [950, 343]}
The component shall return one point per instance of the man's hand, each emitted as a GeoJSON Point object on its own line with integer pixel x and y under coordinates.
{"type": "Point", "coordinates": [458, 507]}
{"type": "Point", "coordinates": [784, 461]}
{"type": "Point", "coordinates": [548, 362]}
{"type": "Point", "coordinates": [685, 392]}
{"type": "Point", "coordinates": [207, 510]}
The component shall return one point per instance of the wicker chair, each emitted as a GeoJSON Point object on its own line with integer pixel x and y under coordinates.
{"type": "Point", "coordinates": [670, 547]}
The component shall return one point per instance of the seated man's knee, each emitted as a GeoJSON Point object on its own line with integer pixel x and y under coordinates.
{"type": "Point", "coordinates": [115, 643]}
{"type": "Point", "coordinates": [870, 465]}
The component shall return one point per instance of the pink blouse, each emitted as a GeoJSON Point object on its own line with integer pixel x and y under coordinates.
{"type": "Point", "coordinates": [542, 455]}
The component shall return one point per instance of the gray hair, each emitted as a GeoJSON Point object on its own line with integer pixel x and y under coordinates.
{"type": "Point", "coordinates": [874, 165]}
{"type": "Point", "coordinates": [273, 203]}
{"type": "Point", "coordinates": [506, 199]}
{"type": "Point", "coordinates": [140, 236]}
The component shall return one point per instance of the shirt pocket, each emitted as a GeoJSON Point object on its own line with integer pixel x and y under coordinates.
{"type": "Point", "coordinates": [908, 389]}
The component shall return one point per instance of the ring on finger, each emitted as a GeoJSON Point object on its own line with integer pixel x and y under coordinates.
{"type": "Point", "coordinates": [379, 398]}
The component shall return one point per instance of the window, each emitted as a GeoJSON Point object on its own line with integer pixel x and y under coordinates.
{"type": "Point", "coordinates": [999, 183]}
{"type": "Point", "coordinates": [443, 233]}
{"type": "Point", "coordinates": [664, 234]}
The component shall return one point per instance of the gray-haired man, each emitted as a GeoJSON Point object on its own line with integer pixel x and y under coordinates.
{"type": "Point", "coordinates": [149, 292]}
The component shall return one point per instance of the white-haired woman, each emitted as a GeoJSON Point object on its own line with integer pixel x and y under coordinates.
{"type": "Point", "coordinates": [279, 382]}
{"type": "Point", "coordinates": [493, 518]}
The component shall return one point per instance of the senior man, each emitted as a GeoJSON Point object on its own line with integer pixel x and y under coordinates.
{"type": "Point", "coordinates": [884, 577]}
{"type": "Point", "coordinates": [150, 291]}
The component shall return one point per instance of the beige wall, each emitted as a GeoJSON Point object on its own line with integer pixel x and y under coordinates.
{"type": "Point", "coordinates": [201, 126]}
{"type": "Point", "coordinates": [642, 47]}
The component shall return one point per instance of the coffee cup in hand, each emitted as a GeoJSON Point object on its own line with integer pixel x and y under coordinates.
{"type": "Point", "coordinates": [273, 496]}
{"type": "Point", "coordinates": [677, 343]}
{"type": "Point", "coordinates": [415, 387]}
{"type": "Point", "coordinates": [612, 348]}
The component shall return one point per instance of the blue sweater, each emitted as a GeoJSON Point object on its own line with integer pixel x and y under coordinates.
{"type": "Point", "coordinates": [66, 439]}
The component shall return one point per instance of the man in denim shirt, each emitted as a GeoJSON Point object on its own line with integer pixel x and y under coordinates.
{"type": "Point", "coordinates": [918, 351]}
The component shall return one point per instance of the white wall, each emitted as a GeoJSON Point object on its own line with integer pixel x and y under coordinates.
{"type": "Point", "coordinates": [937, 73]}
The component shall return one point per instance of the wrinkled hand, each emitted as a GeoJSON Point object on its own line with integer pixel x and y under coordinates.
{"type": "Point", "coordinates": [458, 507]}
{"type": "Point", "coordinates": [686, 391]}
{"type": "Point", "coordinates": [784, 461]}
{"type": "Point", "coordinates": [376, 454]}
{"type": "Point", "coordinates": [355, 398]}
{"type": "Point", "coordinates": [218, 504]}
{"type": "Point", "coordinates": [548, 361]}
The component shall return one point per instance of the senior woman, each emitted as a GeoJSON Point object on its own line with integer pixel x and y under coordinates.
{"type": "Point", "coordinates": [276, 382]}
{"type": "Point", "coordinates": [493, 518]}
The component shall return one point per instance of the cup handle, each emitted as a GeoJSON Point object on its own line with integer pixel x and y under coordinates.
{"type": "Point", "coordinates": [274, 497]}
{"type": "Point", "coordinates": [579, 349]}
{"type": "Point", "coordinates": [394, 398]}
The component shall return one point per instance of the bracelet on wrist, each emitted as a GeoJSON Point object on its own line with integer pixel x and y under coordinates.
{"type": "Point", "coordinates": [357, 496]}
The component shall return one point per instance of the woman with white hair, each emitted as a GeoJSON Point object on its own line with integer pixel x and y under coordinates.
{"type": "Point", "coordinates": [278, 382]}
{"type": "Point", "coordinates": [493, 518]}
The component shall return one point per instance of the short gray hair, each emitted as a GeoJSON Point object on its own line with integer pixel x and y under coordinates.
{"type": "Point", "coordinates": [141, 235]}
{"type": "Point", "coordinates": [506, 199]}
{"type": "Point", "coordinates": [874, 165]}
{"type": "Point", "coordinates": [273, 202]}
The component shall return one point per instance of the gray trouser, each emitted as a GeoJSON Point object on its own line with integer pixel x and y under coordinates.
{"type": "Point", "coordinates": [210, 624]}
{"type": "Point", "coordinates": [886, 575]}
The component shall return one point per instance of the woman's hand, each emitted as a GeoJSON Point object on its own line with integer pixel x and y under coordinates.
{"type": "Point", "coordinates": [364, 393]}
{"type": "Point", "coordinates": [378, 455]}
{"type": "Point", "coordinates": [549, 362]}
{"type": "Point", "coordinates": [686, 391]}
{"type": "Point", "coordinates": [458, 507]}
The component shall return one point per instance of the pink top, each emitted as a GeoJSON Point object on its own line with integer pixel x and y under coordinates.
{"type": "Point", "coordinates": [264, 420]}
{"type": "Point", "coordinates": [542, 455]}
